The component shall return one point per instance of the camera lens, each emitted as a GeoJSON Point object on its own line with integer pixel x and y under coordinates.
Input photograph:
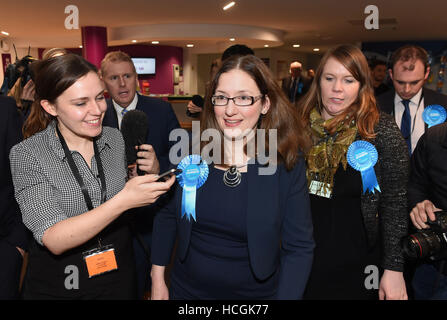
{"type": "Point", "coordinates": [420, 245]}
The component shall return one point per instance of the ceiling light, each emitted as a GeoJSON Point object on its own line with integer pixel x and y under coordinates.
{"type": "Point", "coordinates": [190, 45]}
{"type": "Point", "coordinates": [5, 33]}
{"type": "Point", "coordinates": [296, 45]}
{"type": "Point", "coordinates": [155, 42]}
{"type": "Point", "coordinates": [228, 6]}
{"type": "Point", "coordinates": [316, 49]}
{"type": "Point", "coordinates": [232, 39]}
{"type": "Point", "coordinates": [266, 45]}
{"type": "Point", "coordinates": [80, 46]}
{"type": "Point", "coordinates": [134, 41]}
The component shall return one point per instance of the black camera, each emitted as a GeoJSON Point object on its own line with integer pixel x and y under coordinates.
{"type": "Point", "coordinates": [431, 242]}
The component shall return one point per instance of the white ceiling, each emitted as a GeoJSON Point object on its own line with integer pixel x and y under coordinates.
{"type": "Point", "coordinates": [311, 23]}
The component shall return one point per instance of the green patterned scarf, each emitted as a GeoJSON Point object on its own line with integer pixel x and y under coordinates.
{"type": "Point", "coordinates": [328, 151]}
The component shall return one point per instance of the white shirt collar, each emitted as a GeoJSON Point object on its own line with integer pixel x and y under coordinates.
{"type": "Point", "coordinates": [131, 106]}
{"type": "Point", "coordinates": [415, 100]}
{"type": "Point", "coordinates": [119, 109]}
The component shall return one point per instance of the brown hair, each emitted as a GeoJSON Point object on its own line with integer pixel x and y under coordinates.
{"type": "Point", "coordinates": [364, 110]}
{"type": "Point", "coordinates": [410, 53]}
{"type": "Point", "coordinates": [116, 56]}
{"type": "Point", "coordinates": [52, 77]}
{"type": "Point", "coordinates": [281, 114]}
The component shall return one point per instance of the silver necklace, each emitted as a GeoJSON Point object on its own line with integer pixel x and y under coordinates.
{"type": "Point", "coordinates": [232, 177]}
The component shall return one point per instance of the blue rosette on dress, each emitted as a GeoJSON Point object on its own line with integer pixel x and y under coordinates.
{"type": "Point", "coordinates": [362, 156]}
{"type": "Point", "coordinates": [193, 176]}
{"type": "Point", "coordinates": [434, 114]}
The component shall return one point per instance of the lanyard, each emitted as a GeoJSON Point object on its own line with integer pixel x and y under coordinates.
{"type": "Point", "coordinates": [78, 177]}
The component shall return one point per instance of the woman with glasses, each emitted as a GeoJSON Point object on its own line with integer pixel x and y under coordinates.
{"type": "Point", "coordinates": [251, 235]}
{"type": "Point", "coordinates": [357, 170]}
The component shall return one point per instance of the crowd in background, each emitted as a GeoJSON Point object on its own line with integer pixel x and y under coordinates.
{"type": "Point", "coordinates": [359, 168]}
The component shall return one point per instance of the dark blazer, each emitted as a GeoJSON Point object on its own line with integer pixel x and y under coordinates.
{"type": "Point", "coordinates": [161, 121]}
{"type": "Point", "coordinates": [12, 229]}
{"type": "Point", "coordinates": [428, 179]}
{"type": "Point", "coordinates": [279, 228]}
{"type": "Point", "coordinates": [385, 213]}
{"type": "Point", "coordinates": [385, 101]}
{"type": "Point", "coordinates": [301, 89]}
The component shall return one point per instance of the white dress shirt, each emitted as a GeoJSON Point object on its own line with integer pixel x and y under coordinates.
{"type": "Point", "coordinates": [119, 109]}
{"type": "Point", "coordinates": [416, 110]}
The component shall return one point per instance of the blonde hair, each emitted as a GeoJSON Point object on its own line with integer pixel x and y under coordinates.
{"type": "Point", "coordinates": [116, 56]}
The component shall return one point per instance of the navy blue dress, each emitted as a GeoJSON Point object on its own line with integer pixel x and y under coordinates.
{"type": "Point", "coordinates": [217, 264]}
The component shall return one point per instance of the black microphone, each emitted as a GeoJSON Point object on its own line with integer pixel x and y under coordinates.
{"type": "Point", "coordinates": [197, 100]}
{"type": "Point", "coordinates": [134, 128]}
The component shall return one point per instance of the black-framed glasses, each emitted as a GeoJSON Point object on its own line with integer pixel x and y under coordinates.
{"type": "Point", "coordinates": [242, 101]}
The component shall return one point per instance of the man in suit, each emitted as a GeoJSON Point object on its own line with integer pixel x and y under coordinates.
{"type": "Point", "coordinates": [13, 234]}
{"type": "Point", "coordinates": [295, 86]}
{"type": "Point", "coordinates": [378, 72]}
{"type": "Point", "coordinates": [120, 78]}
{"type": "Point", "coordinates": [427, 194]}
{"type": "Point", "coordinates": [409, 70]}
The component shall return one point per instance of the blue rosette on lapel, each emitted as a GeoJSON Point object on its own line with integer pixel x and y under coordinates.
{"type": "Point", "coordinates": [362, 156]}
{"type": "Point", "coordinates": [194, 174]}
{"type": "Point", "coordinates": [434, 114]}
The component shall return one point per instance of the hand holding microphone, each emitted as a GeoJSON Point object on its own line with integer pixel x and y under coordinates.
{"type": "Point", "coordinates": [141, 157]}
{"type": "Point", "coordinates": [196, 104]}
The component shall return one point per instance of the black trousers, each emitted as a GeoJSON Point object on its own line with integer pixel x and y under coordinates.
{"type": "Point", "coordinates": [10, 267]}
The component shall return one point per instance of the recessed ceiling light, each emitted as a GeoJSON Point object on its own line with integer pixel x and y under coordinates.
{"type": "Point", "coordinates": [316, 49]}
{"type": "Point", "coordinates": [228, 6]}
{"type": "Point", "coordinates": [5, 33]}
{"type": "Point", "coordinates": [232, 39]}
{"type": "Point", "coordinates": [155, 42]}
{"type": "Point", "coordinates": [296, 45]}
{"type": "Point", "coordinates": [134, 41]}
{"type": "Point", "coordinates": [80, 46]}
{"type": "Point", "coordinates": [190, 45]}
{"type": "Point", "coordinates": [266, 45]}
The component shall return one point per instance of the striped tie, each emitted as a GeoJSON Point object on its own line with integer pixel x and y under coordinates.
{"type": "Point", "coordinates": [123, 112]}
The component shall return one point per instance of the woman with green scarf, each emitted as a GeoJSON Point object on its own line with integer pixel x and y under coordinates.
{"type": "Point", "coordinates": [357, 171]}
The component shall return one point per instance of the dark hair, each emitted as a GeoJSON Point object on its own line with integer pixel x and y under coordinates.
{"type": "Point", "coordinates": [237, 50]}
{"type": "Point", "coordinates": [376, 62]}
{"type": "Point", "coordinates": [53, 76]}
{"type": "Point", "coordinates": [364, 110]}
{"type": "Point", "coordinates": [281, 115]}
{"type": "Point", "coordinates": [410, 53]}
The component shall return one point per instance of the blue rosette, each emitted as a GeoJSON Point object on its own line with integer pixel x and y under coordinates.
{"type": "Point", "coordinates": [193, 176]}
{"type": "Point", "coordinates": [362, 156]}
{"type": "Point", "coordinates": [434, 114]}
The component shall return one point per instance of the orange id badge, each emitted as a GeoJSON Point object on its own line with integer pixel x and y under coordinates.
{"type": "Point", "coordinates": [100, 260]}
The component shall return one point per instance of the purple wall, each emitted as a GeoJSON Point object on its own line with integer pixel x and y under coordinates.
{"type": "Point", "coordinates": [166, 56]}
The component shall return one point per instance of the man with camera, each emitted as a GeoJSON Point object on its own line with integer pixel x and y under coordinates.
{"type": "Point", "coordinates": [427, 195]}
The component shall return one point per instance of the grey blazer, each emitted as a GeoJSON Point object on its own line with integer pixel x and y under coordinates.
{"type": "Point", "coordinates": [386, 211]}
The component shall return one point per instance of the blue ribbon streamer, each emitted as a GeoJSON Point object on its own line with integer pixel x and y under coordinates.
{"type": "Point", "coordinates": [362, 156]}
{"type": "Point", "coordinates": [193, 176]}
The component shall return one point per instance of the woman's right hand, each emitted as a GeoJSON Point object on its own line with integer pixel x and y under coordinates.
{"type": "Point", "coordinates": [144, 190]}
{"type": "Point", "coordinates": [159, 290]}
